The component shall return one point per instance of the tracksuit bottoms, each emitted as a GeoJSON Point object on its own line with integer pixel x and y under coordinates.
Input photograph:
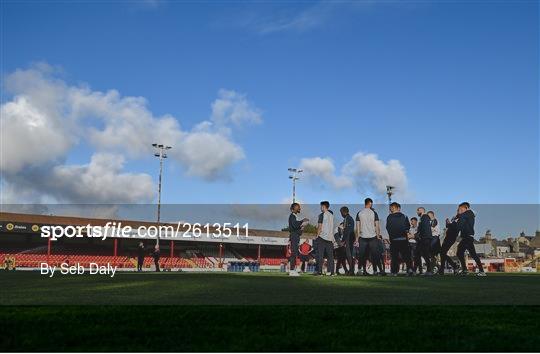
{"type": "Point", "coordinates": [295, 243]}
{"type": "Point", "coordinates": [448, 241]}
{"type": "Point", "coordinates": [467, 244]}
{"type": "Point", "coordinates": [365, 246]}
{"type": "Point", "coordinates": [325, 247]}
{"type": "Point", "coordinates": [400, 248]}
{"type": "Point", "coordinates": [425, 252]}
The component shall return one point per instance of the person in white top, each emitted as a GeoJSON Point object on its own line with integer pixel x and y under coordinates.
{"type": "Point", "coordinates": [435, 228]}
{"type": "Point", "coordinates": [368, 232]}
{"type": "Point", "coordinates": [413, 244]}
{"type": "Point", "coordinates": [325, 239]}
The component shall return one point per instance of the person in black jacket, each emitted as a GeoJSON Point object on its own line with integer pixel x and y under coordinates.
{"type": "Point", "coordinates": [465, 225]}
{"type": "Point", "coordinates": [295, 231]}
{"type": "Point", "coordinates": [398, 225]}
{"type": "Point", "coordinates": [425, 238]}
{"type": "Point", "coordinates": [347, 240]}
{"type": "Point", "coordinates": [449, 240]}
{"type": "Point", "coordinates": [435, 233]}
{"type": "Point", "coordinates": [339, 251]}
{"type": "Point", "coordinates": [156, 255]}
{"type": "Point", "coordinates": [140, 256]}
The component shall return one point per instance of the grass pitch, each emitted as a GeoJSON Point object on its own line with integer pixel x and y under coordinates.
{"type": "Point", "coordinates": [31, 288]}
{"type": "Point", "coordinates": [268, 312]}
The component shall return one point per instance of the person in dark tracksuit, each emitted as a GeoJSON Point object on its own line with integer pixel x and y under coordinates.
{"type": "Point", "coordinates": [140, 256]}
{"type": "Point", "coordinates": [348, 237]}
{"type": "Point", "coordinates": [449, 240]}
{"type": "Point", "coordinates": [295, 231]}
{"type": "Point", "coordinates": [380, 256]}
{"type": "Point", "coordinates": [156, 255]}
{"type": "Point", "coordinates": [397, 225]}
{"type": "Point", "coordinates": [435, 233]}
{"type": "Point", "coordinates": [465, 225]}
{"type": "Point", "coordinates": [340, 254]}
{"type": "Point", "coordinates": [425, 239]}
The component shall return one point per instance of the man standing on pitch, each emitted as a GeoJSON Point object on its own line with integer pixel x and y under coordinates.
{"type": "Point", "coordinates": [295, 231]}
{"type": "Point", "coordinates": [156, 255]}
{"type": "Point", "coordinates": [449, 240]}
{"type": "Point", "coordinates": [325, 239]}
{"type": "Point", "coordinates": [140, 256]}
{"type": "Point", "coordinates": [425, 238]}
{"type": "Point", "coordinates": [348, 237]}
{"type": "Point", "coordinates": [413, 245]}
{"type": "Point", "coordinates": [465, 225]}
{"type": "Point", "coordinates": [435, 233]}
{"type": "Point", "coordinates": [367, 232]}
{"type": "Point", "coordinates": [397, 225]}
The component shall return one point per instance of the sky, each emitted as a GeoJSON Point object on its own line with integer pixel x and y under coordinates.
{"type": "Point", "coordinates": [439, 99]}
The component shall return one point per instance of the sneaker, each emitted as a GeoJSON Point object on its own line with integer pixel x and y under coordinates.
{"type": "Point", "coordinates": [392, 274]}
{"type": "Point", "coordinates": [481, 274]}
{"type": "Point", "coordinates": [463, 273]}
{"type": "Point", "coordinates": [428, 274]}
{"type": "Point", "coordinates": [294, 273]}
{"type": "Point", "coordinates": [333, 274]}
{"type": "Point", "coordinates": [383, 274]}
{"type": "Point", "coordinates": [410, 273]}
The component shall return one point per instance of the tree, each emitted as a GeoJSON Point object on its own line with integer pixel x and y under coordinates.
{"type": "Point", "coordinates": [308, 229]}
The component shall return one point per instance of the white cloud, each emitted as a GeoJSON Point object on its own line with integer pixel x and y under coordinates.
{"type": "Point", "coordinates": [46, 118]}
{"type": "Point", "coordinates": [310, 18]}
{"type": "Point", "coordinates": [323, 168]}
{"type": "Point", "coordinates": [100, 181]}
{"type": "Point", "coordinates": [29, 136]}
{"type": "Point", "coordinates": [233, 107]}
{"type": "Point", "coordinates": [315, 15]}
{"type": "Point", "coordinates": [368, 168]}
{"type": "Point", "coordinates": [207, 154]}
{"type": "Point", "coordinates": [364, 171]}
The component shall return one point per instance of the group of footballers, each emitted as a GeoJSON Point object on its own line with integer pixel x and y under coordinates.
{"type": "Point", "coordinates": [413, 243]}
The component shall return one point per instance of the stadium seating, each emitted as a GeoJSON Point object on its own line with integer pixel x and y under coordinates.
{"type": "Point", "coordinates": [201, 256]}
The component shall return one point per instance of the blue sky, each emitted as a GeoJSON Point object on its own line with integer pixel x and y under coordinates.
{"type": "Point", "coordinates": [449, 89]}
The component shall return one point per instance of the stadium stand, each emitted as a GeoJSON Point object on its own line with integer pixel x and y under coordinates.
{"type": "Point", "coordinates": [22, 242]}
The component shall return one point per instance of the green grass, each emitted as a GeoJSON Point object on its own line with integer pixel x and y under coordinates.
{"type": "Point", "coordinates": [261, 312]}
{"type": "Point", "coordinates": [31, 288]}
{"type": "Point", "coordinates": [270, 328]}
